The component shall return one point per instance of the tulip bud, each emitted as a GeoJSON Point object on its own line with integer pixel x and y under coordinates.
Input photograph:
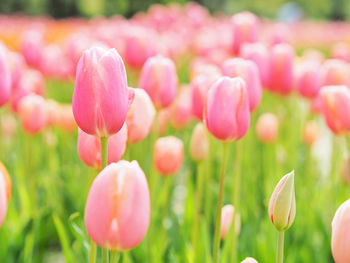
{"type": "Point", "coordinates": [5, 192]}
{"type": "Point", "coordinates": [308, 79]}
{"type": "Point", "coordinates": [257, 53]}
{"type": "Point", "coordinates": [164, 117]}
{"type": "Point", "coordinates": [335, 72]}
{"type": "Point", "coordinates": [311, 132]}
{"type": "Point", "coordinates": [281, 69]}
{"type": "Point", "coordinates": [227, 215]}
{"type": "Point", "coordinates": [341, 233]}
{"type": "Point", "coordinates": [33, 113]}
{"type": "Point", "coordinates": [226, 113]}
{"type": "Point", "coordinates": [181, 109]}
{"type": "Point", "coordinates": [101, 97]}
{"type": "Point", "coordinates": [168, 155]}
{"type": "Point", "coordinates": [159, 79]}
{"type": "Point", "coordinates": [336, 108]}
{"type": "Point", "coordinates": [31, 46]}
{"type": "Point", "coordinates": [248, 71]}
{"type": "Point", "coordinates": [117, 212]}
{"type": "Point", "coordinates": [89, 147]}
{"type": "Point", "coordinates": [140, 116]}
{"type": "Point", "coordinates": [199, 145]}
{"type": "Point", "coordinates": [249, 260]}
{"type": "Point", "coordinates": [5, 76]}
{"type": "Point", "coordinates": [282, 203]}
{"type": "Point", "coordinates": [245, 29]}
{"type": "Point", "coordinates": [267, 128]}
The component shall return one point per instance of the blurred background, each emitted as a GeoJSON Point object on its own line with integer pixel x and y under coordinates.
{"type": "Point", "coordinates": [274, 9]}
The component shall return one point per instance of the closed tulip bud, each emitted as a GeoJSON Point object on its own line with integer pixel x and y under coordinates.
{"type": "Point", "coordinates": [345, 170]}
{"type": "Point", "coordinates": [282, 203]}
{"type": "Point", "coordinates": [5, 192]}
{"type": "Point", "coordinates": [341, 234]}
{"type": "Point", "coordinates": [181, 109]}
{"type": "Point", "coordinates": [281, 69]}
{"type": "Point", "coordinates": [117, 212]}
{"type": "Point", "coordinates": [258, 53]}
{"type": "Point", "coordinates": [166, 149]}
{"type": "Point", "coordinates": [335, 72]}
{"type": "Point", "coordinates": [245, 29]}
{"type": "Point", "coordinates": [140, 116]}
{"type": "Point", "coordinates": [311, 133]}
{"type": "Point", "coordinates": [248, 71]}
{"type": "Point", "coordinates": [267, 128]}
{"type": "Point", "coordinates": [33, 113]}
{"type": "Point", "coordinates": [101, 97]}
{"type": "Point", "coordinates": [200, 86]}
{"type": "Point", "coordinates": [249, 260]}
{"type": "Point", "coordinates": [308, 79]}
{"type": "Point", "coordinates": [199, 145]}
{"type": "Point", "coordinates": [164, 117]}
{"type": "Point", "coordinates": [5, 76]}
{"type": "Point", "coordinates": [336, 108]}
{"type": "Point", "coordinates": [227, 216]}
{"type": "Point", "coordinates": [31, 46]}
{"type": "Point", "coordinates": [159, 79]}
{"type": "Point", "coordinates": [89, 147]}
{"type": "Point", "coordinates": [226, 112]}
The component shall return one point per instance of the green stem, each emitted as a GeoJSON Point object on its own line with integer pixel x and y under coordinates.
{"type": "Point", "coordinates": [199, 190]}
{"type": "Point", "coordinates": [104, 152]}
{"type": "Point", "coordinates": [114, 256]}
{"type": "Point", "coordinates": [280, 245]}
{"type": "Point", "coordinates": [93, 250]}
{"type": "Point", "coordinates": [216, 247]}
{"type": "Point", "coordinates": [105, 255]}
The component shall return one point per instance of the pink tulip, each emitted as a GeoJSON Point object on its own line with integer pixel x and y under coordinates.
{"type": "Point", "coordinates": [66, 118]}
{"type": "Point", "coordinates": [164, 117]}
{"type": "Point", "coordinates": [308, 79]}
{"type": "Point", "coordinates": [341, 234]}
{"type": "Point", "coordinates": [200, 86]}
{"type": "Point", "coordinates": [281, 69]}
{"type": "Point", "coordinates": [89, 147]}
{"type": "Point", "coordinates": [227, 109]}
{"type": "Point", "coordinates": [313, 55]}
{"type": "Point", "coordinates": [101, 97]}
{"type": "Point", "coordinates": [336, 108]}
{"type": "Point", "coordinates": [335, 72]}
{"type": "Point", "coordinates": [117, 212]}
{"type": "Point", "coordinates": [165, 149]}
{"type": "Point", "coordinates": [227, 214]}
{"type": "Point", "coordinates": [267, 128]}
{"type": "Point", "coordinates": [245, 29]}
{"type": "Point", "coordinates": [181, 109]}
{"type": "Point", "coordinates": [341, 50]}
{"type": "Point", "coordinates": [199, 144]}
{"type": "Point", "coordinates": [33, 113]}
{"type": "Point", "coordinates": [17, 66]}
{"type": "Point", "coordinates": [257, 53]}
{"type": "Point", "coordinates": [248, 71]}
{"type": "Point", "coordinates": [140, 116]}
{"type": "Point", "coordinates": [31, 46]}
{"type": "Point", "coordinates": [5, 76]}
{"type": "Point", "coordinates": [249, 260]}
{"type": "Point", "coordinates": [5, 192]}
{"type": "Point", "coordinates": [159, 79]}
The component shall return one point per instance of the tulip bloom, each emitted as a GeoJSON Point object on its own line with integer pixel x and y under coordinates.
{"type": "Point", "coordinates": [248, 71]}
{"type": "Point", "coordinates": [89, 147]}
{"type": "Point", "coordinates": [31, 46]}
{"type": "Point", "coordinates": [181, 109]}
{"type": "Point", "coordinates": [101, 97]}
{"type": "Point", "coordinates": [245, 29]}
{"type": "Point", "coordinates": [226, 113]}
{"type": "Point", "coordinates": [335, 72]}
{"type": "Point", "coordinates": [168, 155]}
{"type": "Point", "coordinates": [227, 216]}
{"type": "Point", "coordinates": [249, 260]}
{"type": "Point", "coordinates": [282, 203]}
{"type": "Point", "coordinates": [199, 144]}
{"type": "Point", "coordinates": [117, 212]}
{"type": "Point", "coordinates": [159, 79]}
{"type": "Point", "coordinates": [32, 112]}
{"type": "Point", "coordinates": [267, 128]}
{"type": "Point", "coordinates": [140, 116]}
{"type": "Point", "coordinates": [336, 108]}
{"type": "Point", "coordinates": [341, 233]}
{"type": "Point", "coordinates": [5, 76]}
{"type": "Point", "coordinates": [5, 192]}
{"type": "Point", "coordinates": [308, 79]}
{"type": "Point", "coordinates": [257, 53]}
{"type": "Point", "coordinates": [281, 69]}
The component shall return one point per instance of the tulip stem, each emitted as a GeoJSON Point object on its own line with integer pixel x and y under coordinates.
{"type": "Point", "coordinates": [199, 190]}
{"type": "Point", "coordinates": [114, 256]}
{"type": "Point", "coordinates": [280, 245]}
{"type": "Point", "coordinates": [104, 255]}
{"type": "Point", "coordinates": [104, 152]}
{"type": "Point", "coordinates": [93, 250]}
{"type": "Point", "coordinates": [216, 247]}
